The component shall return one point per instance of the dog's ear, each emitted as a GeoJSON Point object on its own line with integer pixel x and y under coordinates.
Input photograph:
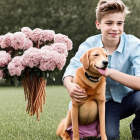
{"type": "Point", "coordinates": [85, 60]}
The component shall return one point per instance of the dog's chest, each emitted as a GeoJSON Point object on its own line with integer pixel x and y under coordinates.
{"type": "Point", "coordinates": [90, 91]}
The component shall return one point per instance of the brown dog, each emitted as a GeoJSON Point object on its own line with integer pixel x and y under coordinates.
{"type": "Point", "coordinates": [89, 78]}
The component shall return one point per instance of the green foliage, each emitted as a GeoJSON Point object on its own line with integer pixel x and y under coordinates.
{"type": "Point", "coordinates": [133, 20]}
{"type": "Point", "coordinates": [45, 74]}
{"type": "Point", "coordinates": [70, 17]}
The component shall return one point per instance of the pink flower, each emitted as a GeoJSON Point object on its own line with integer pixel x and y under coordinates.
{"type": "Point", "coordinates": [60, 48]}
{"type": "Point", "coordinates": [1, 38]}
{"type": "Point", "coordinates": [6, 41]}
{"type": "Point", "coordinates": [31, 57]}
{"type": "Point", "coordinates": [1, 74]}
{"type": "Point", "coordinates": [18, 40]}
{"type": "Point", "coordinates": [51, 59]}
{"type": "Point", "coordinates": [27, 31]}
{"type": "Point", "coordinates": [28, 44]}
{"type": "Point", "coordinates": [36, 35]}
{"type": "Point", "coordinates": [46, 47]}
{"type": "Point", "coordinates": [15, 67]}
{"type": "Point", "coordinates": [61, 60]}
{"type": "Point", "coordinates": [47, 35]}
{"type": "Point", "coordinates": [47, 60]}
{"type": "Point", "coordinates": [60, 38]}
{"type": "Point", "coordinates": [5, 58]}
{"type": "Point", "coordinates": [47, 65]}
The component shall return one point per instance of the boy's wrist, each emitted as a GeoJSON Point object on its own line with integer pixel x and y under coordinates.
{"type": "Point", "coordinates": [67, 81]}
{"type": "Point", "coordinates": [109, 72]}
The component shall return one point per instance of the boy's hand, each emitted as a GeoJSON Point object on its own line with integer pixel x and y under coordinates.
{"type": "Point", "coordinates": [76, 92]}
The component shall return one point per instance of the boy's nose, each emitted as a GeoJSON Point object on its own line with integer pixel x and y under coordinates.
{"type": "Point", "coordinates": [114, 27]}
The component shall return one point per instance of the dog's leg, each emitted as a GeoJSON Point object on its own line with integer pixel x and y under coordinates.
{"type": "Point", "coordinates": [102, 119]}
{"type": "Point", "coordinates": [75, 127]}
{"type": "Point", "coordinates": [68, 119]}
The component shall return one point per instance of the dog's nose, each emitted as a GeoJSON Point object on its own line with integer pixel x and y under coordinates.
{"type": "Point", "coordinates": [105, 62]}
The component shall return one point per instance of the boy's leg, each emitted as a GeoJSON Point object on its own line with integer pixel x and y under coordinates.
{"type": "Point", "coordinates": [131, 105]}
{"type": "Point", "coordinates": [116, 111]}
{"type": "Point", "coordinates": [112, 119]}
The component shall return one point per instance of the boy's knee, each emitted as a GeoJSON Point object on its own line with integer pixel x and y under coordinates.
{"type": "Point", "coordinates": [137, 100]}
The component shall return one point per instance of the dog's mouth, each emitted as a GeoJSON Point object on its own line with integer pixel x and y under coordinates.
{"type": "Point", "coordinates": [101, 70]}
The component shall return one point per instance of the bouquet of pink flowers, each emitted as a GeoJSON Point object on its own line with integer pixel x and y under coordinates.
{"type": "Point", "coordinates": [31, 56]}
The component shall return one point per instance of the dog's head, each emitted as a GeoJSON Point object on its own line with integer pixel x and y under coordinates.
{"type": "Point", "coordinates": [95, 59]}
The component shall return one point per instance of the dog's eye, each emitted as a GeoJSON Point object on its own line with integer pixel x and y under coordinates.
{"type": "Point", "coordinates": [96, 55]}
{"type": "Point", "coordinates": [106, 55]}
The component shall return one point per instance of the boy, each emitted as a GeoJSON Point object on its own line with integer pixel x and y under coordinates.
{"type": "Point", "coordinates": [123, 73]}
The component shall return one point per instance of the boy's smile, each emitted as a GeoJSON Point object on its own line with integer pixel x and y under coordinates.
{"type": "Point", "coordinates": [111, 26]}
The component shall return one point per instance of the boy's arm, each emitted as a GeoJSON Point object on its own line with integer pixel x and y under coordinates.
{"type": "Point", "coordinates": [124, 79]}
{"type": "Point", "coordinates": [131, 81]}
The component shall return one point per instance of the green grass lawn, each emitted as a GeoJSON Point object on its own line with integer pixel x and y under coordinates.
{"type": "Point", "coordinates": [16, 124]}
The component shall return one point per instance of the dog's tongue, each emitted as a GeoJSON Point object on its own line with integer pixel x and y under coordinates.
{"type": "Point", "coordinates": [102, 71]}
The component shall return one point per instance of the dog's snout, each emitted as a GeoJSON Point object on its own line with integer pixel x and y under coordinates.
{"type": "Point", "coordinates": [105, 62]}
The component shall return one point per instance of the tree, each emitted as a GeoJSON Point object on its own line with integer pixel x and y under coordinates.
{"type": "Point", "coordinates": [76, 19]}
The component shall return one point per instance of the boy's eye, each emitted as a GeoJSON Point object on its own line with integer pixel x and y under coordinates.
{"type": "Point", "coordinates": [120, 23]}
{"type": "Point", "coordinates": [108, 23]}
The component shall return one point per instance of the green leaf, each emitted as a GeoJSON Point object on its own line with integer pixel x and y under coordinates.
{"type": "Point", "coordinates": [38, 73]}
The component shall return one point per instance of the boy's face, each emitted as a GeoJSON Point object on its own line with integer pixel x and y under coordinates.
{"type": "Point", "coordinates": [111, 26]}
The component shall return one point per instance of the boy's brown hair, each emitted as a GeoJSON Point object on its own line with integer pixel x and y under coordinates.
{"type": "Point", "coordinates": [105, 7]}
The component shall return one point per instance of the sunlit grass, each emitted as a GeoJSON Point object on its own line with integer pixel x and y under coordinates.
{"type": "Point", "coordinates": [16, 124]}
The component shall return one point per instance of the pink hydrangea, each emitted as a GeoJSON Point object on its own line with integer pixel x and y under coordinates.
{"type": "Point", "coordinates": [16, 66]}
{"type": "Point", "coordinates": [28, 44]}
{"type": "Point", "coordinates": [46, 47]}
{"type": "Point", "coordinates": [50, 60]}
{"type": "Point", "coordinates": [6, 41]}
{"type": "Point", "coordinates": [18, 40]}
{"type": "Point", "coordinates": [60, 38]}
{"type": "Point", "coordinates": [1, 74]}
{"type": "Point", "coordinates": [47, 61]}
{"type": "Point", "coordinates": [1, 38]}
{"type": "Point", "coordinates": [27, 31]}
{"type": "Point", "coordinates": [60, 47]}
{"type": "Point", "coordinates": [47, 35]}
{"type": "Point", "coordinates": [36, 35]}
{"type": "Point", "coordinates": [5, 58]}
{"type": "Point", "coordinates": [31, 57]}
{"type": "Point", "coordinates": [60, 60]}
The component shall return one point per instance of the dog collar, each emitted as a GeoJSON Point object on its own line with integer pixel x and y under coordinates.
{"type": "Point", "coordinates": [91, 78]}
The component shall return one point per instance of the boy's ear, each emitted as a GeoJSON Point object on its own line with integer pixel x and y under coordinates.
{"type": "Point", "coordinates": [97, 24]}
